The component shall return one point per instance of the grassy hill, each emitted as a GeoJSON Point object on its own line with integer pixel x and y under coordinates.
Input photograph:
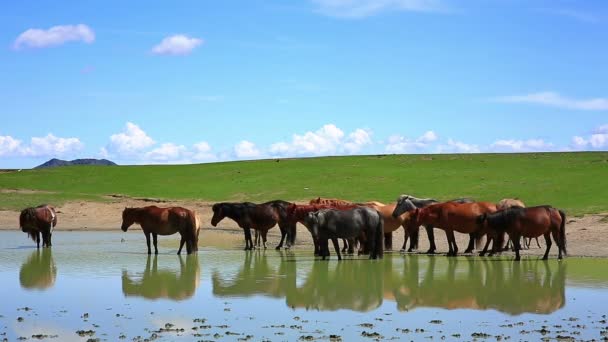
{"type": "Point", "coordinates": [576, 182]}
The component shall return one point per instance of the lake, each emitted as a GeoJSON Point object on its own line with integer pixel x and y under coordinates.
{"type": "Point", "coordinates": [103, 285]}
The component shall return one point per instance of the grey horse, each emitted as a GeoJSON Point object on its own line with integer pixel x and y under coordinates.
{"type": "Point", "coordinates": [361, 222]}
{"type": "Point", "coordinates": [407, 203]}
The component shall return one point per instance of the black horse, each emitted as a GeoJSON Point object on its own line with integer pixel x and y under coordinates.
{"type": "Point", "coordinates": [361, 222]}
{"type": "Point", "coordinates": [260, 217]}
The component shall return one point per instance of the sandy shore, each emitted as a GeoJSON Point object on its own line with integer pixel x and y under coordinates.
{"type": "Point", "coordinates": [586, 235]}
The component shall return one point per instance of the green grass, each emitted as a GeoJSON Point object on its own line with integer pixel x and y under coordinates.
{"type": "Point", "coordinates": [576, 182]}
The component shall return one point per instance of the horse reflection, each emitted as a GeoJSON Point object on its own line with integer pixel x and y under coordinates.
{"type": "Point", "coordinates": [164, 283]}
{"type": "Point", "coordinates": [532, 286]}
{"type": "Point", "coordinates": [38, 271]}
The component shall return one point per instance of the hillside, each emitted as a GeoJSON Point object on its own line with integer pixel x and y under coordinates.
{"type": "Point", "coordinates": [576, 182]}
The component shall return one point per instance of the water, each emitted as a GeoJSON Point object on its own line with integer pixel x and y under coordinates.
{"type": "Point", "coordinates": [93, 281]}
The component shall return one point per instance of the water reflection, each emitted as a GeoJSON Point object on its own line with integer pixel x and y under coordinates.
{"type": "Point", "coordinates": [534, 286]}
{"type": "Point", "coordinates": [164, 283]}
{"type": "Point", "coordinates": [38, 271]}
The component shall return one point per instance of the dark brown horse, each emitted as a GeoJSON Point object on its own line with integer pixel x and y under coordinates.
{"type": "Point", "coordinates": [260, 217]}
{"type": "Point", "coordinates": [528, 222]}
{"type": "Point", "coordinates": [38, 221]}
{"type": "Point", "coordinates": [452, 216]}
{"type": "Point", "coordinates": [164, 221]}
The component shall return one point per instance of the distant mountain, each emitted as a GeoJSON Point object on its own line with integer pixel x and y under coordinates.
{"type": "Point", "coordinates": [58, 162]}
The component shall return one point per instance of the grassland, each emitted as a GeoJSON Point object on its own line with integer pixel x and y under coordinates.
{"type": "Point", "coordinates": [576, 182]}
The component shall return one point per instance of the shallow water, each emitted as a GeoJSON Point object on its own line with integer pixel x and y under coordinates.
{"type": "Point", "coordinates": [104, 282]}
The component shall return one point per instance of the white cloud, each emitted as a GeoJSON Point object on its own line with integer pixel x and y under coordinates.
{"type": "Point", "coordinates": [530, 145]}
{"type": "Point", "coordinates": [401, 144]}
{"type": "Point", "coordinates": [454, 146]}
{"type": "Point", "coordinates": [56, 35]}
{"type": "Point", "coordinates": [177, 45]}
{"type": "Point", "coordinates": [246, 149]}
{"type": "Point", "coordinates": [48, 146]}
{"type": "Point", "coordinates": [132, 140]}
{"type": "Point", "coordinates": [598, 139]}
{"type": "Point", "coordinates": [9, 145]}
{"type": "Point", "coordinates": [553, 99]}
{"type": "Point", "coordinates": [327, 140]}
{"type": "Point", "coordinates": [365, 8]}
{"type": "Point", "coordinates": [202, 152]}
{"type": "Point", "coordinates": [357, 140]}
{"type": "Point", "coordinates": [167, 152]}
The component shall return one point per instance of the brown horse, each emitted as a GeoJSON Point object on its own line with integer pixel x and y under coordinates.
{"type": "Point", "coordinates": [392, 223]}
{"type": "Point", "coordinates": [164, 221]}
{"type": "Point", "coordinates": [528, 222]}
{"type": "Point", "coordinates": [452, 216]}
{"type": "Point", "coordinates": [260, 217]}
{"type": "Point", "coordinates": [506, 203]}
{"type": "Point", "coordinates": [38, 221]}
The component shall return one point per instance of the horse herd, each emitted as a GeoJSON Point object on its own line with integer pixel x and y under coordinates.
{"type": "Point", "coordinates": [367, 225]}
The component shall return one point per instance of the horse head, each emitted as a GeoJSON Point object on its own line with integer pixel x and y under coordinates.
{"type": "Point", "coordinates": [218, 214]}
{"type": "Point", "coordinates": [311, 221]}
{"type": "Point", "coordinates": [128, 218]}
{"type": "Point", "coordinates": [403, 204]}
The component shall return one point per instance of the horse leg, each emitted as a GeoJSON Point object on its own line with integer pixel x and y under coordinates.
{"type": "Point", "coordinates": [264, 232]}
{"type": "Point", "coordinates": [471, 245]}
{"type": "Point", "coordinates": [248, 242]}
{"type": "Point", "coordinates": [431, 235]}
{"type": "Point", "coordinates": [406, 235]}
{"type": "Point", "coordinates": [452, 240]}
{"type": "Point", "coordinates": [148, 241]}
{"type": "Point", "coordinates": [154, 240]}
{"type": "Point", "coordinates": [337, 247]}
{"type": "Point", "coordinates": [549, 243]}
{"type": "Point", "coordinates": [485, 247]}
{"type": "Point", "coordinates": [345, 248]}
{"type": "Point", "coordinates": [388, 241]}
{"type": "Point", "coordinates": [516, 245]}
{"type": "Point", "coordinates": [283, 234]}
{"type": "Point", "coordinates": [558, 241]}
{"type": "Point", "coordinates": [38, 240]}
{"type": "Point", "coordinates": [537, 244]}
{"type": "Point", "coordinates": [181, 245]}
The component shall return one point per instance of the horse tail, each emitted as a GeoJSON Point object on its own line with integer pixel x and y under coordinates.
{"type": "Point", "coordinates": [378, 248]}
{"type": "Point", "coordinates": [562, 230]}
{"type": "Point", "coordinates": [192, 226]}
{"type": "Point", "coordinates": [32, 235]}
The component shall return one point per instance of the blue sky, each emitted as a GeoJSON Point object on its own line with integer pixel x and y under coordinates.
{"type": "Point", "coordinates": [199, 81]}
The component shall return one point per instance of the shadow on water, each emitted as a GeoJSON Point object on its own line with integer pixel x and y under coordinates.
{"type": "Point", "coordinates": [38, 271]}
{"type": "Point", "coordinates": [530, 286]}
{"type": "Point", "coordinates": [164, 283]}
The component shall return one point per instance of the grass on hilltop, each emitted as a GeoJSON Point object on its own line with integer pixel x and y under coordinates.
{"type": "Point", "coordinates": [576, 182]}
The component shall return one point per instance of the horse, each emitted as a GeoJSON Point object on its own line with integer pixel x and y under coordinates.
{"type": "Point", "coordinates": [408, 203]}
{"type": "Point", "coordinates": [297, 213]}
{"type": "Point", "coordinates": [528, 222]}
{"type": "Point", "coordinates": [164, 221]}
{"type": "Point", "coordinates": [37, 221]}
{"type": "Point", "coordinates": [506, 203]}
{"type": "Point", "coordinates": [341, 204]}
{"type": "Point", "coordinates": [392, 223]}
{"type": "Point", "coordinates": [260, 217]}
{"type": "Point", "coordinates": [453, 216]}
{"type": "Point", "coordinates": [352, 223]}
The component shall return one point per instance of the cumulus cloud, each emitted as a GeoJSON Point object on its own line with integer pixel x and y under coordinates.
{"type": "Point", "coordinates": [132, 140]}
{"type": "Point", "coordinates": [47, 146]}
{"type": "Point", "coordinates": [56, 35]}
{"type": "Point", "coordinates": [365, 8]}
{"type": "Point", "coordinates": [246, 150]}
{"type": "Point", "coordinates": [357, 140]}
{"type": "Point", "coordinates": [512, 145]}
{"type": "Point", "coordinates": [202, 152]}
{"type": "Point", "coordinates": [597, 140]}
{"type": "Point", "coordinates": [176, 45]}
{"type": "Point", "coordinates": [327, 140]}
{"type": "Point", "coordinates": [402, 144]}
{"type": "Point", "coordinates": [553, 99]}
{"type": "Point", "coordinates": [454, 146]}
{"type": "Point", "coordinates": [167, 152]}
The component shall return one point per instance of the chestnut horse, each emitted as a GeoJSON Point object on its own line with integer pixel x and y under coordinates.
{"type": "Point", "coordinates": [506, 203]}
{"type": "Point", "coordinates": [38, 221]}
{"type": "Point", "coordinates": [452, 216]}
{"type": "Point", "coordinates": [164, 221]}
{"type": "Point", "coordinates": [528, 222]}
{"type": "Point", "coordinates": [408, 203]}
{"type": "Point", "coordinates": [260, 217]}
